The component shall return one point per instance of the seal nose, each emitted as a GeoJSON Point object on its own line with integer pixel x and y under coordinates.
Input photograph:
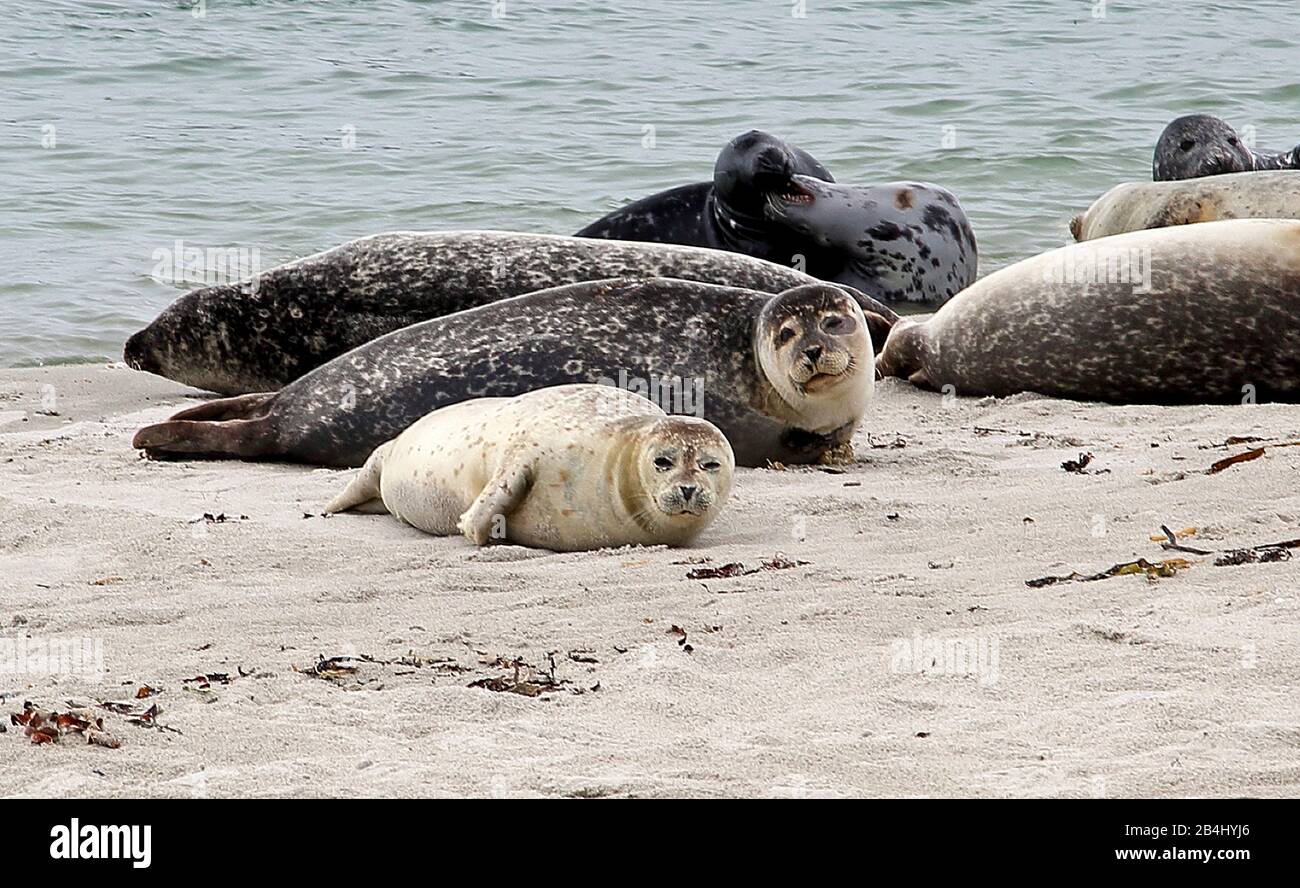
{"type": "Point", "coordinates": [688, 491]}
{"type": "Point", "coordinates": [813, 354]}
{"type": "Point", "coordinates": [139, 355]}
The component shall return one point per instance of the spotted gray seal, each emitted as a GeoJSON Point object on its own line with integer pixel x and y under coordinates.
{"type": "Point", "coordinates": [1134, 206]}
{"type": "Point", "coordinates": [900, 241]}
{"type": "Point", "coordinates": [785, 377]}
{"type": "Point", "coordinates": [1191, 314]}
{"type": "Point", "coordinates": [263, 333]}
{"type": "Point", "coordinates": [570, 467]}
{"type": "Point", "coordinates": [1198, 145]}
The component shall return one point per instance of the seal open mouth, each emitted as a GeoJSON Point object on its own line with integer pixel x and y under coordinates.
{"type": "Point", "coordinates": [788, 195]}
{"type": "Point", "coordinates": [794, 193]}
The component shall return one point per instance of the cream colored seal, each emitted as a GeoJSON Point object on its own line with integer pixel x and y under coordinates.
{"type": "Point", "coordinates": [1136, 206]}
{"type": "Point", "coordinates": [568, 468]}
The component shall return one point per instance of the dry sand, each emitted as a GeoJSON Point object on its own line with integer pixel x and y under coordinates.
{"type": "Point", "coordinates": [798, 682]}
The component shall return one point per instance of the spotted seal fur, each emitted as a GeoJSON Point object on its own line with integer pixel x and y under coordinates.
{"type": "Point", "coordinates": [900, 241]}
{"type": "Point", "coordinates": [263, 333]}
{"type": "Point", "coordinates": [786, 378]}
{"type": "Point", "coordinates": [1196, 145]}
{"type": "Point", "coordinates": [1192, 314]}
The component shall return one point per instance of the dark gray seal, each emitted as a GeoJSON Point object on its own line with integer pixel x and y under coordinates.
{"type": "Point", "coordinates": [1193, 314]}
{"type": "Point", "coordinates": [900, 241]}
{"type": "Point", "coordinates": [785, 377]}
{"type": "Point", "coordinates": [260, 335]}
{"type": "Point", "coordinates": [728, 213]}
{"type": "Point", "coordinates": [1197, 145]}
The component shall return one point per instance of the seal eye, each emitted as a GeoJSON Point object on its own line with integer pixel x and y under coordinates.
{"type": "Point", "coordinates": [711, 465]}
{"type": "Point", "coordinates": [839, 325]}
{"type": "Point", "coordinates": [1187, 144]}
{"type": "Point", "coordinates": [663, 463]}
{"type": "Point", "coordinates": [1232, 140]}
{"type": "Point", "coordinates": [786, 334]}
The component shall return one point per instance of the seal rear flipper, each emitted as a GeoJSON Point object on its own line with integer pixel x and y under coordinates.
{"type": "Point", "coordinates": [363, 493]}
{"type": "Point", "coordinates": [502, 495]}
{"type": "Point", "coordinates": [1076, 227]}
{"type": "Point", "coordinates": [239, 407]}
{"type": "Point", "coordinates": [921, 379]}
{"type": "Point", "coordinates": [878, 326]}
{"type": "Point", "coordinates": [236, 438]}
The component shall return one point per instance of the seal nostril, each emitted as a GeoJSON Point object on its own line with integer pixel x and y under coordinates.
{"type": "Point", "coordinates": [688, 491]}
{"type": "Point", "coordinates": [814, 353]}
{"type": "Point", "coordinates": [138, 355]}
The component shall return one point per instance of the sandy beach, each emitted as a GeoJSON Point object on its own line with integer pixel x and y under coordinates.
{"type": "Point", "coordinates": [885, 644]}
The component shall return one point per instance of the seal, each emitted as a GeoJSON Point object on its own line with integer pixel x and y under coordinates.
{"type": "Point", "coordinates": [568, 468]}
{"type": "Point", "coordinates": [900, 241]}
{"type": "Point", "coordinates": [1192, 314]}
{"type": "Point", "coordinates": [263, 333]}
{"type": "Point", "coordinates": [1197, 145]}
{"type": "Point", "coordinates": [1134, 206]}
{"type": "Point", "coordinates": [786, 378]}
{"type": "Point", "coordinates": [728, 213]}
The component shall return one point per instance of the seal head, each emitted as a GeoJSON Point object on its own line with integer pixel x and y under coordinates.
{"type": "Point", "coordinates": [899, 241]}
{"type": "Point", "coordinates": [751, 169]}
{"type": "Point", "coordinates": [180, 345]}
{"type": "Point", "coordinates": [1197, 145]}
{"type": "Point", "coordinates": [904, 353]}
{"type": "Point", "coordinates": [674, 475]}
{"type": "Point", "coordinates": [814, 348]}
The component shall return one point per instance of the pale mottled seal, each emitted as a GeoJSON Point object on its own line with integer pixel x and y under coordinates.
{"type": "Point", "coordinates": [729, 212]}
{"type": "Point", "coordinates": [900, 241]}
{"type": "Point", "coordinates": [263, 334]}
{"type": "Point", "coordinates": [1134, 206]}
{"type": "Point", "coordinates": [568, 468]}
{"type": "Point", "coordinates": [1192, 314]}
{"type": "Point", "coordinates": [784, 377]}
{"type": "Point", "coordinates": [1198, 145]}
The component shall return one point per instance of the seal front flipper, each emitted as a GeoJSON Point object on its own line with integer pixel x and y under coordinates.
{"type": "Point", "coordinates": [504, 492]}
{"type": "Point", "coordinates": [363, 494]}
{"type": "Point", "coordinates": [814, 447]}
{"type": "Point", "coordinates": [224, 427]}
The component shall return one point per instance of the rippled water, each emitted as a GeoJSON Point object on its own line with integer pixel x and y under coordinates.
{"type": "Point", "coordinates": [231, 129]}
